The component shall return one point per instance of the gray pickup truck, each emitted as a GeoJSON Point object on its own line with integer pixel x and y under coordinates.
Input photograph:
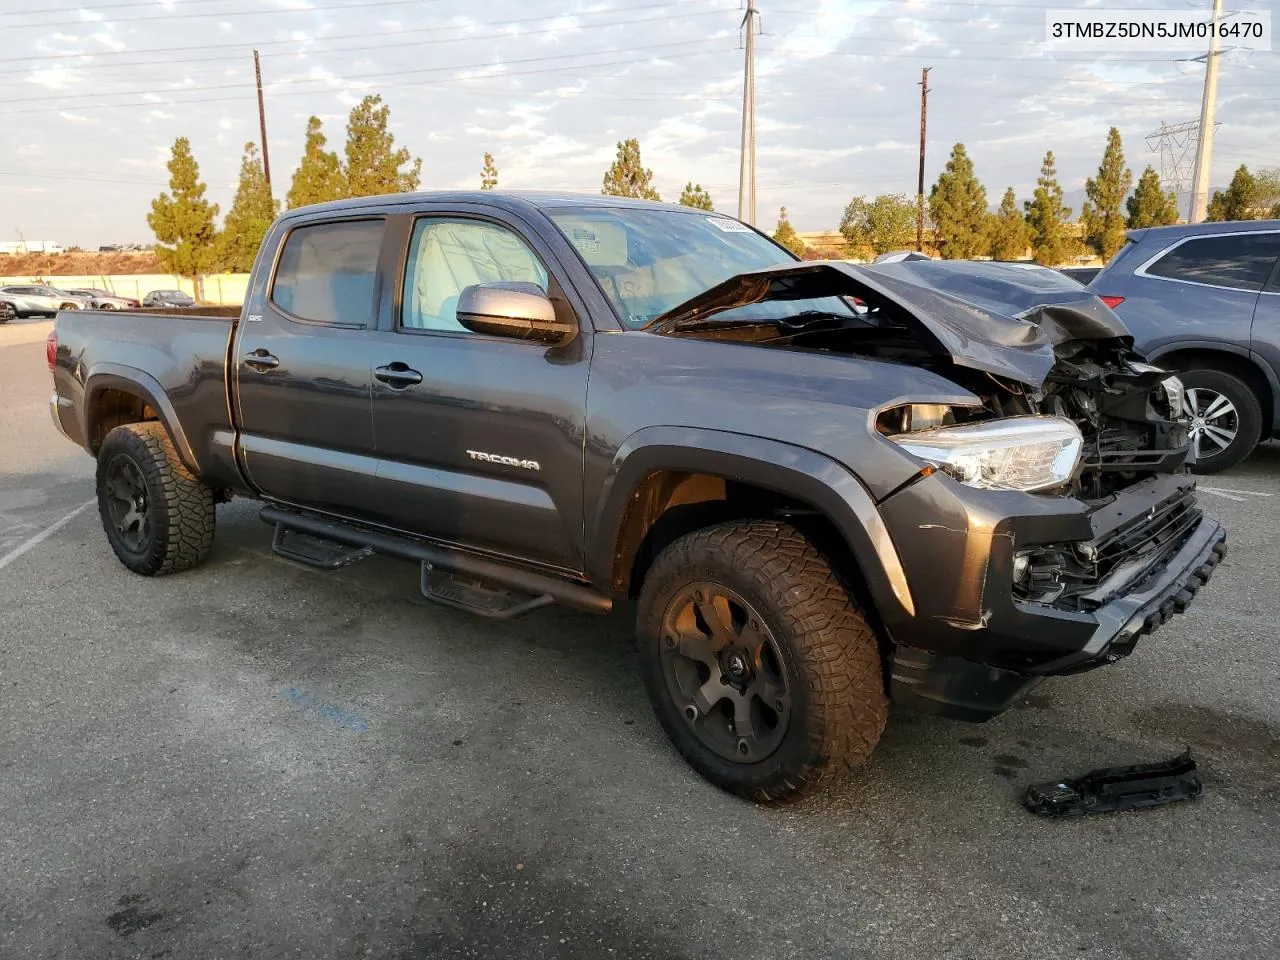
{"type": "Point", "coordinates": [825, 487]}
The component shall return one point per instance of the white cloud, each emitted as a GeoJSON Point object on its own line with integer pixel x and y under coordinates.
{"type": "Point", "coordinates": [837, 88]}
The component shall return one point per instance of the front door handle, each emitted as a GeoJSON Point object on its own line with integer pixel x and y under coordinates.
{"type": "Point", "coordinates": [399, 375]}
{"type": "Point", "coordinates": [261, 360]}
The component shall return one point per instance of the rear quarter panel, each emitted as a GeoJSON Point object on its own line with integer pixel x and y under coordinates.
{"type": "Point", "coordinates": [175, 362]}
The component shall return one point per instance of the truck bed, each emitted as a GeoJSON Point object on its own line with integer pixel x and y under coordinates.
{"type": "Point", "coordinates": [179, 357]}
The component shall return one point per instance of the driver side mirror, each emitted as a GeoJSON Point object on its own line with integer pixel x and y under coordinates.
{"type": "Point", "coordinates": [515, 309]}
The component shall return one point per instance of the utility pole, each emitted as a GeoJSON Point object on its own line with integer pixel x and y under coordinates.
{"type": "Point", "coordinates": [262, 121]}
{"type": "Point", "coordinates": [1204, 144]}
{"type": "Point", "coordinates": [924, 113]}
{"type": "Point", "coordinates": [747, 163]}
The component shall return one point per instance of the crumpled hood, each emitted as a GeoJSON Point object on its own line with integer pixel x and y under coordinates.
{"type": "Point", "coordinates": [992, 317]}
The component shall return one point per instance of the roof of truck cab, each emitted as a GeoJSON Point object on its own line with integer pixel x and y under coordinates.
{"type": "Point", "coordinates": [519, 200]}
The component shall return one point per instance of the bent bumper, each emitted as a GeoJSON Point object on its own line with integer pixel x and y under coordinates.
{"type": "Point", "coordinates": [972, 649]}
{"type": "Point", "coordinates": [56, 406]}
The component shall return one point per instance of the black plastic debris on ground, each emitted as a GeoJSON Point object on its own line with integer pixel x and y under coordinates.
{"type": "Point", "coordinates": [1113, 789]}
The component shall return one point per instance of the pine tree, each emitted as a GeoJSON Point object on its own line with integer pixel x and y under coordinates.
{"type": "Point", "coordinates": [1101, 220]}
{"type": "Point", "coordinates": [958, 208]}
{"type": "Point", "coordinates": [628, 177]}
{"type": "Point", "coordinates": [694, 196]}
{"type": "Point", "coordinates": [250, 215]}
{"type": "Point", "coordinates": [1008, 232]}
{"type": "Point", "coordinates": [1052, 243]}
{"type": "Point", "coordinates": [877, 226]}
{"type": "Point", "coordinates": [1150, 206]}
{"type": "Point", "coordinates": [1267, 193]}
{"type": "Point", "coordinates": [318, 178]}
{"type": "Point", "coordinates": [488, 174]}
{"type": "Point", "coordinates": [373, 164]}
{"type": "Point", "coordinates": [787, 236]}
{"type": "Point", "coordinates": [183, 220]}
{"type": "Point", "coordinates": [1238, 201]}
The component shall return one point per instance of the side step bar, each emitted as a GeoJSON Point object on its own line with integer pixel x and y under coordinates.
{"type": "Point", "coordinates": [441, 559]}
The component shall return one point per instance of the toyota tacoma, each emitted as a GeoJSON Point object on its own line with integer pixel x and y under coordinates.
{"type": "Point", "coordinates": [824, 486]}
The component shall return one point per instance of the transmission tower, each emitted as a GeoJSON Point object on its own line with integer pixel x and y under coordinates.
{"type": "Point", "coordinates": [1176, 144]}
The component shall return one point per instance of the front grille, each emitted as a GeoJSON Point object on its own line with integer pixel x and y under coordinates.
{"type": "Point", "coordinates": [1067, 576]}
{"type": "Point", "coordinates": [1165, 526]}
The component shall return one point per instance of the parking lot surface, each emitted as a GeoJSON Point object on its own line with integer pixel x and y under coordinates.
{"type": "Point", "coordinates": [255, 759]}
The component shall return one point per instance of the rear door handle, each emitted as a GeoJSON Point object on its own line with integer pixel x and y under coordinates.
{"type": "Point", "coordinates": [262, 360]}
{"type": "Point", "coordinates": [399, 375]}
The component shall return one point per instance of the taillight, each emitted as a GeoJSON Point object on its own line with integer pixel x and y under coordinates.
{"type": "Point", "coordinates": [1111, 302]}
{"type": "Point", "coordinates": [51, 349]}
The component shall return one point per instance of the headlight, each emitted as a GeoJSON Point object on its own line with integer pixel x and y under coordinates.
{"type": "Point", "coordinates": [1170, 386]}
{"type": "Point", "coordinates": [1174, 393]}
{"type": "Point", "coordinates": [1015, 453]}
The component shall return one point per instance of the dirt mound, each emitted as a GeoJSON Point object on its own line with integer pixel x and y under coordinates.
{"type": "Point", "coordinates": [37, 265]}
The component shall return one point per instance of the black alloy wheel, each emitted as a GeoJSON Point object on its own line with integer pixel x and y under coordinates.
{"type": "Point", "coordinates": [723, 665]}
{"type": "Point", "coordinates": [127, 503]}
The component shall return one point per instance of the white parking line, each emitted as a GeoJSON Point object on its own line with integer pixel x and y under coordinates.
{"type": "Point", "coordinates": [43, 535]}
{"type": "Point", "coordinates": [1227, 493]}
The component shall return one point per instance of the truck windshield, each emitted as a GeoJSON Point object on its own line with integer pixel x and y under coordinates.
{"type": "Point", "coordinates": [649, 261]}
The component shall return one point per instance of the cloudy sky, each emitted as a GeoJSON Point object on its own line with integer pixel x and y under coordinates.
{"type": "Point", "coordinates": [93, 96]}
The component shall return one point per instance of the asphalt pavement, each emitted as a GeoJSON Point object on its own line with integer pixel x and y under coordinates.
{"type": "Point", "coordinates": [255, 759]}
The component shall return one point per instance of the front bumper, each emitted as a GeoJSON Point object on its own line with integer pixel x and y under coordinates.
{"type": "Point", "coordinates": [972, 649]}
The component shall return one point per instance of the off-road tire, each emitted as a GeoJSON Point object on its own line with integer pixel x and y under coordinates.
{"type": "Point", "coordinates": [1248, 413]}
{"type": "Point", "coordinates": [830, 652]}
{"type": "Point", "coordinates": [181, 508]}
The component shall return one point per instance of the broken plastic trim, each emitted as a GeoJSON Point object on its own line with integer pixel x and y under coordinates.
{"type": "Point", "coordinates": [1114, 789]}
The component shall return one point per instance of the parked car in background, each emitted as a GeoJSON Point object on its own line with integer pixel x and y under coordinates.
{"type": "Point", "coordinates": [1082, 274]}
{"type": "Point", "coordinates": [1204, 299]}
{"type": "Point", "coordinates": [86, 299]}
{"type": "Point", "coordinates": [168, 298]}
{"type": "Point", "coordinates": [106, 300]}
{"type": "Point", "coordinates": [35, 300]}
{"type": "Point", "coordinates": [7, 310]}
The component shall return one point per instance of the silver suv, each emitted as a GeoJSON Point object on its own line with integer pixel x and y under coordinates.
{"type": "Point", "coordinates": [39, 300]}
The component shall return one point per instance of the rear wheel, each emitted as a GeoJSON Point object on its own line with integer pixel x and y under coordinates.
{"type": "Point", "coordinates": [761, 670]}
{"type": "Point", "coordinates": [158, 517]}
{"type": "Point", "coordinates": [1226, 418]}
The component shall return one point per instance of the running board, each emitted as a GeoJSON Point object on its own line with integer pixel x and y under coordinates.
{"type": "Point", "coordinates": [477, 596]}
{"type": "Point", "coordinates": [467, 569]}
{"type": "Point", "coordinates": [319, 552]}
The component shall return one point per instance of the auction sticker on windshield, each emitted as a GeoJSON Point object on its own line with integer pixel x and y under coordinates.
{"type": "Point", "coordinates": [728, 226]}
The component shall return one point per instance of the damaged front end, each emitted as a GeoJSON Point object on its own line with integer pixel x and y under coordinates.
{"type": "Point", "coordinates": [1053, 521]}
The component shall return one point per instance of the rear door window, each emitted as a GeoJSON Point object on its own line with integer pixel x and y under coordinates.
{"type": "Point", "coordinates": [328, 272]}
{"type": "Point", "coordinates": [1240, 261]}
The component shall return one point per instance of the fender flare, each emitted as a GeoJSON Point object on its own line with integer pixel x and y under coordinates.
{"type": "Point", "coordinates": [117, 376]}
{"type": "Point", "coordinates": [782, 467]}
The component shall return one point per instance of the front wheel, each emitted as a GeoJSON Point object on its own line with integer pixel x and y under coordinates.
{"type": "Point", "coordinates": [158, 516]}
{"type": "Point", "coordinates": [1226, 418]}
{"type": "Point", "coordinates": [762, 671]}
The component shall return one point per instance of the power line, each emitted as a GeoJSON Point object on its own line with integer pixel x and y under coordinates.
{"type": "Point", "coordinates": [155, 103]}
{"type": "Point", "coordinates": [358, 76]}
{"type": "Point", "coordinates": [225, 14]}
{"type": "Point", "coordinates": [247, 44]}
{"type": "Point", "coordinates": [229, 58]}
